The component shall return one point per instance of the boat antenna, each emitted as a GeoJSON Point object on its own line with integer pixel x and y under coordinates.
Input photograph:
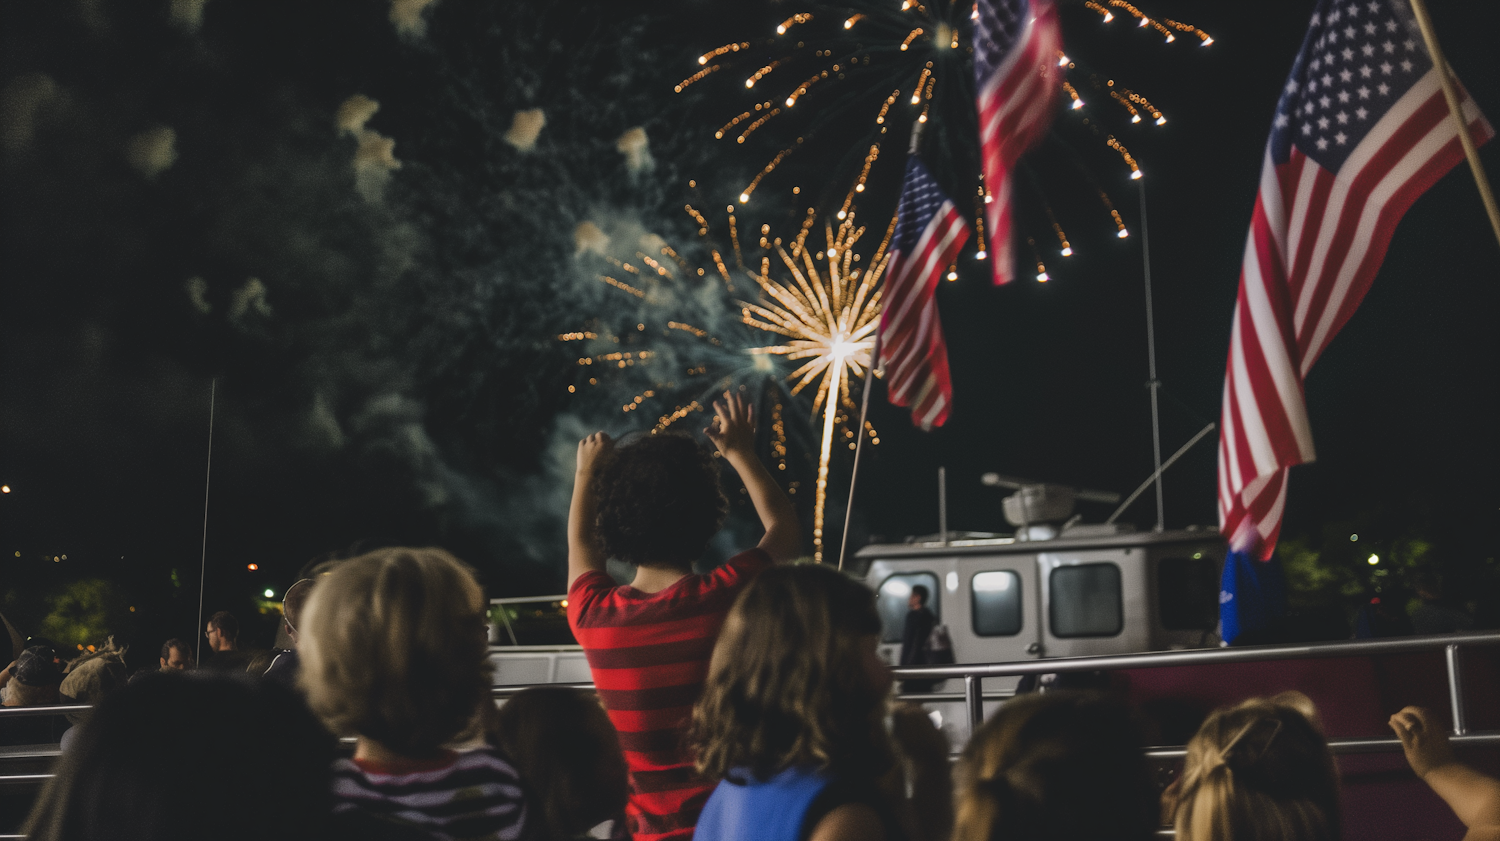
{"type": "Point", "coordinates": [213, 388]}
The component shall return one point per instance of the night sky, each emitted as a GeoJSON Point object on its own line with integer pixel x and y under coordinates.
{"type": "Point", "coordinates": [384, 337]}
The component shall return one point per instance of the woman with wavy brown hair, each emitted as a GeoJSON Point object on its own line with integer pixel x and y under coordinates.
{"type": "Point", "coordinates": [792, 721]}
{"type": "Point", "coordinates": [1258, 771]}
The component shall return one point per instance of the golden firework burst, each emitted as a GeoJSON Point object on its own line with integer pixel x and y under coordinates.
{"type": "Point", "coordinates": [828, 311]}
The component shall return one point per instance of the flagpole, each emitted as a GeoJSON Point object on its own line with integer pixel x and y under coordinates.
{"type": "Point", "coordinates": [1154, 384]}
{"type": "Point", "coordinates": [859, 444]}
{"type": "Point", "coordinates": [1455, 108]}
{"type": "Point", "coordinates": [208, 475]}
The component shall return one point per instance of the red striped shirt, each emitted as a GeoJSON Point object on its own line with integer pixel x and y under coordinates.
{"type": "Point", "coordinates": [649, 655]}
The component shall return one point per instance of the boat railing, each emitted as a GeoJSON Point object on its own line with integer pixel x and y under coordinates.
{"type": "Point", "coordinates": [974, 696]}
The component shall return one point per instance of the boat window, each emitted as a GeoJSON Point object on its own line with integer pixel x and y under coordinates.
{"type": "Point", "coordinates": [532, 623]}
{"type": "Point", "coordinates": [1085, 601]}
{"type": "Point", "coordinates": [1187, 589]}
{"type": "Point", "coordinates": [997, 603]}
{"type": "Point", "coordinates": [892, 597]}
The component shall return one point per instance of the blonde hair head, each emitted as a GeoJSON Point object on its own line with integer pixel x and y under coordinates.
{"type": "Point", "coordinates": [393, 648]}
{"type": "Point", "coordinates": [1259, 771]}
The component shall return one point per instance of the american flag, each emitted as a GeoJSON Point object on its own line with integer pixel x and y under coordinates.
{"type": "Point", "coordinates": [1016, 44]}
{"type": "Point", "coordinates": [1361, 130]}
{"type": "Point", "coordinates": [929, 233]}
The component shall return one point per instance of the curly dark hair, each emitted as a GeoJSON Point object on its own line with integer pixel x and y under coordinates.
{"type": "Point", "coordinates": [659, 501]}
{"type": "Point", "coordinates": [787, 687]}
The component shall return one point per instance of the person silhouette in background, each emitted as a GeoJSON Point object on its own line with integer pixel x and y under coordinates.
{"type": "Point", "coordinates": [914, 635]}
{"type": "Point", "coordinates": [284, 668]}
{"type": "Point", "coordinates": [223, 634]}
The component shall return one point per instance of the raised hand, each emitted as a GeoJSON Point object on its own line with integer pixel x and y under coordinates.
{"type": "Point", "coordinates": [732, 428]}
{"type": "Point", "coordinates": [591, 451]}
{"type": "Point", "coordinates": [1423, 739]}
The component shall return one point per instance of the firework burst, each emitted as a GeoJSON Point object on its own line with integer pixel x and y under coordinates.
{"type": "Point", "coordinates": [837, 84]}
{"type": "Point", "coordinates": [823, 303]}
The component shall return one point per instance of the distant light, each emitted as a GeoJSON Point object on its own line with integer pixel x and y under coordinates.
{"type": "Point", "coordinates": [1171, 37]}
{"type": "Point", "coordinates": [132, 608]}
{"type": "Point", "coordinates": [1042, 278]}
{"type": "Point", "coordinates": [252, 567]}
{"type": "Point", "coordinates": [1135, 175]}
{"type": "Point", "coordinates": [749, 83]}
{"type": "Point", "coordinates": [833, 252]}
{"type": "Point", "coordinates": [1197, 556]}
{"type": "Point", "coordinates": [974, 15]}
{"type": "Point", "coordinates": [989, 199]}
{"type": "Point", "coordinates": [922, 118]}
{"type": "Point", "coordinates": [1207, 41]}
{"type": "Point", "coordinates": [744, 197]}
{"type": "Point", "coordinates": [1353, 538]}
{"type": "Point", "coordinates": [564, 602]}
{"type": "Point", "coordinates": [1372, 560]}
{"type": "Point", "coordinates": [270, 593]}
{"type": "Point", "coordinates": [4, 489]}
{"type": "Point", "coordinates": [859, 188]}
{"type": "Point", "coordinates": [1108, 16]}
{"type": "Point", "coordinates": [980, 255]}
{"type": "Point", "coordinates": [1123, 233]}
{"type": "Point", "coordinates": [842, 214]}
{"type": "Point", "coordinates": [780, 30]}
{"type": "Point", "coordinates": [1145, 21]}
{"type": "Point", "coordinates": [1135, 118]}
{"type": "Point", "coordinates": [1077, 103]}
{"type": "Point", "coordinates": [1161, 121]}
{"type": "Point", "coordinates": [953, 275]}
{"type": "Point", "coordinates": [1063, 61]}
{"type": "Point", "coordinates": [849, 24]}
{"type": "Point", "coordinates": [1067, 252]}
{"type": "Point", "coordinates": [702, 59]}
{"type": "Point", "coordinates": [790, 102]}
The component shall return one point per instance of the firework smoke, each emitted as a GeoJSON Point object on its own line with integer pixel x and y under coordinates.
{"type": "Point", "coordinates": [525, 128]}
{"type": "Point", "coordinates": [153, 151]}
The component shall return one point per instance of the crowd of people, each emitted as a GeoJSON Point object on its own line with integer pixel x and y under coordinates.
{"type": "Point", "coordinates": [747, 702]}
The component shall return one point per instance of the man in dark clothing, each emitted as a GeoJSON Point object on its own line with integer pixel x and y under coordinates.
{"type": "Point", "coordinates": [223, 633]}
{"type": "Point", "coordinates": [914, 636]}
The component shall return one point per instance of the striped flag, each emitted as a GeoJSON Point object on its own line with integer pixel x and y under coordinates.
{"type": "Point", "coordinates": [929, 233]}
{"type": "Point", "coordinates": [1016, 44]}
{"type": "Point", "coordinates": [1360, 132]}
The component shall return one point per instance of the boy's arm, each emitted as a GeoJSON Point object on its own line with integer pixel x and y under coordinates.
{"type": "Point", "coordinates": [583, 540]}
{"type": "Point", "coordinates": [1473, 797]}
{"type": "Point", "coordinates": [733, 432]}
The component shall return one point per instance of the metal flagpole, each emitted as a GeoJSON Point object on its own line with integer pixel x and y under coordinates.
{"type": "Point", "coordinates": [213, 390]}
{"type": "Point", "coordinates": [859, 445]}
{"type": "Point", "coordinates": [1154, 384]}
{"type": "Point", "coordinates": [1450, 92]}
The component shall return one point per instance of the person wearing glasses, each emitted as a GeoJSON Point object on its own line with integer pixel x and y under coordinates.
{"type": "Point", "coordinates": [223, 634]}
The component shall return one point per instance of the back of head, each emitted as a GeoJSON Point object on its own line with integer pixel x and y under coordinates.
{"type": "Point", "coordinates": [226, 624]}
{"type": "Point", "coordinates": [1259, 771]}
{"type": "Point", "coordinates": [175, 757]}
{"type": "Point", "coordinates": [393, 648]}
{"type": "Point", "coordinates": [1064, 766]}
{"type": "Point", "coordinates": [568, 753]}
{"type": "Point", "coordinates": [293, 602]}
{"type": "Point", "coordinates": [659, 501]}
{"type": "Point", "coordinates": [36, 677]}
{"type": "Point", "coordinates": [791, 681]}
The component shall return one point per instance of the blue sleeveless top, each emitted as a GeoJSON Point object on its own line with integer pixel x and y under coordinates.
{"type": "Point", "coordinates": [761, 811]}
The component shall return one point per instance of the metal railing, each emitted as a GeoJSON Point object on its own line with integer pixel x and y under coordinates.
{"type": "Point", "coordinates": [1449, 644]}
{"type": "Point", "coordinates": [974, 697]}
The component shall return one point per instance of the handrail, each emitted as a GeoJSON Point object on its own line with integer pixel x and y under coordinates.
{"type": "Point", "coordinates": [1202, 656]}
{"type": "Point", "coordinates": [973, 674]}
{"type": "Point", "coordinates": [55, 709]}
